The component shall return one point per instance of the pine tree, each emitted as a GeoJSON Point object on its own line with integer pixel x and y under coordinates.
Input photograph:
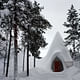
{"type": "Point", "coordinates": [34, 29]}
{"type": "Point", "coordinates": [6, 28]}
{"type": "Point", "coordinates": [37, 42]}
{"type": "Point", "coordinates": [26, 17]}
{"type": "Point", "coordinates": [72, 25]}
{"type": "Point", "coordinates": [19, 13]}
{"type": "Point", "coordinates": [37, 25]}
{"type": "Point", "coordinates": [78, 40]}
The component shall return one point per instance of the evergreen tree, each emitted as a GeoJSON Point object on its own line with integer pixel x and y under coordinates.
{"type": "Point", "coordinates": [36, 30]}
{"type": "Point", "coordinates": [72, 25]}
{"type": "Point", "coordinates": [36, 25]}
{"type": "Point", "coordinates": [78, 40]}
{"type": "Point", "coordinates": [19, 13]}
{"type": "Point", "coordinates": [37, 42]}
{"type": "Point", "coordinates": [26, 17]}
{"type": "Point", "coordinates": [5, 27]}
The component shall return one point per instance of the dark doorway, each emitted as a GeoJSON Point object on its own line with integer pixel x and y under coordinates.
{"type": "Point", "coordinates": [57, 65]}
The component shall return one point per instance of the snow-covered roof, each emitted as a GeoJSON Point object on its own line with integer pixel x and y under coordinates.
{"type": "Point", "coordinates": [58, 46]}
{"type": "Point", "coordinates": [57, 49]}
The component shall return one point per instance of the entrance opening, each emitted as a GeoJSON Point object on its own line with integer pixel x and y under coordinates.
{"type": "Point", "coordinates": [57, 65]}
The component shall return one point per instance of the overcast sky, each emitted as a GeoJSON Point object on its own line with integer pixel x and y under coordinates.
{"type": "Point", "coordinates": [56, 13]}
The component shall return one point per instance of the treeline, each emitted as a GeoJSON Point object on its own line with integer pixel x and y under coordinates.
{"type": "Point", "coordinates": [21, 18]}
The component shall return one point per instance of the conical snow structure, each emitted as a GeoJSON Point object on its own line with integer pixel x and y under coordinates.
{"type": "Point", "coordinates": [57, 52]}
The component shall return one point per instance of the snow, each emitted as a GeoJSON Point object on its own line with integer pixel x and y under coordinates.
{"type": "Point", "coordinates": [39, 74]}
{"type": "Point", "coordinates": [57, 49]}
{"type": "Point", "coordinates": [77, 63]}
{"type": "Point", "coordinates": [58, 44]}
{"type": "Point", "coordinates": [72, 73]}
{"type": "Point", "coordinates": [45, 73]}
{"type": "Point", "coordinates": [4, 12]}
{"type": "Point", "coordinates": [10, 2]}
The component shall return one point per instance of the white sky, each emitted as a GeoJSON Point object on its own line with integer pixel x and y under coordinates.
{"type": "Point", "coordinates": [56, 13]}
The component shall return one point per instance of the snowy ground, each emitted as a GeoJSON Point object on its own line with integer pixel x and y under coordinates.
{"type": "Point", "coordinates": [39, 74]}
{"type": "Point", "coordinates": [72, 73]}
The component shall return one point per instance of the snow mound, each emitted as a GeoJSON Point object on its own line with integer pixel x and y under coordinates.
{"type": "Point", "coordinates": [57, 49]}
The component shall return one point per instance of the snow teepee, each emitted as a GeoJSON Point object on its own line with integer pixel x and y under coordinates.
{"type": "Point", "coordinates": [58, 57]}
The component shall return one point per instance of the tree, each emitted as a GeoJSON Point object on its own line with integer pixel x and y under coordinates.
{"type": "Point", "coordinates": [17, 12]}
{"type": "Point", "coordinates": [72, 25]}
{"type": "Point", "coordinates": [34, 36]}
{"type": "Point", "coordinates": [38, 42]}
{"type": "Point", "coordinates": [34, 27]}
{"type": "Point", "coordinates": [23, 43]}
{"type": "Point", "coordinates": [9, 49]}
{"type": "Point", "coordinates": [78, 39]}
{"type": "Point", "coordinates": [26, 17]}
{"type": "Point", "coordinates": [5, 27]}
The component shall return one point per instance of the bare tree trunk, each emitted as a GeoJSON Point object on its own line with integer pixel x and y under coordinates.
{"type": "Point", "coordinates": [24, 58]}
{"type": "Point", "coordinates": [8, 58]}
{"type": "Point", "coordinates": [15, 53]}
{"type": "Point", "coordinates": [15, 43]}
{"type": "Point", "coordinates": [28, 59]}
{"type": "Point", "coordinates": [28, 51]}
{"type": "Point", "coordinates": [34, 62]}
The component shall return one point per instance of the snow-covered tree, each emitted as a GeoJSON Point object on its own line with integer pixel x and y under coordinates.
{"type": "Point", "coordinates": [5, 27]}
{"type": "Point", "coordinates": [72, 25]}
{"type": "Point", "coordinates": [34, 36]}
{"type": "Point", "coordinates": [26, 16]}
